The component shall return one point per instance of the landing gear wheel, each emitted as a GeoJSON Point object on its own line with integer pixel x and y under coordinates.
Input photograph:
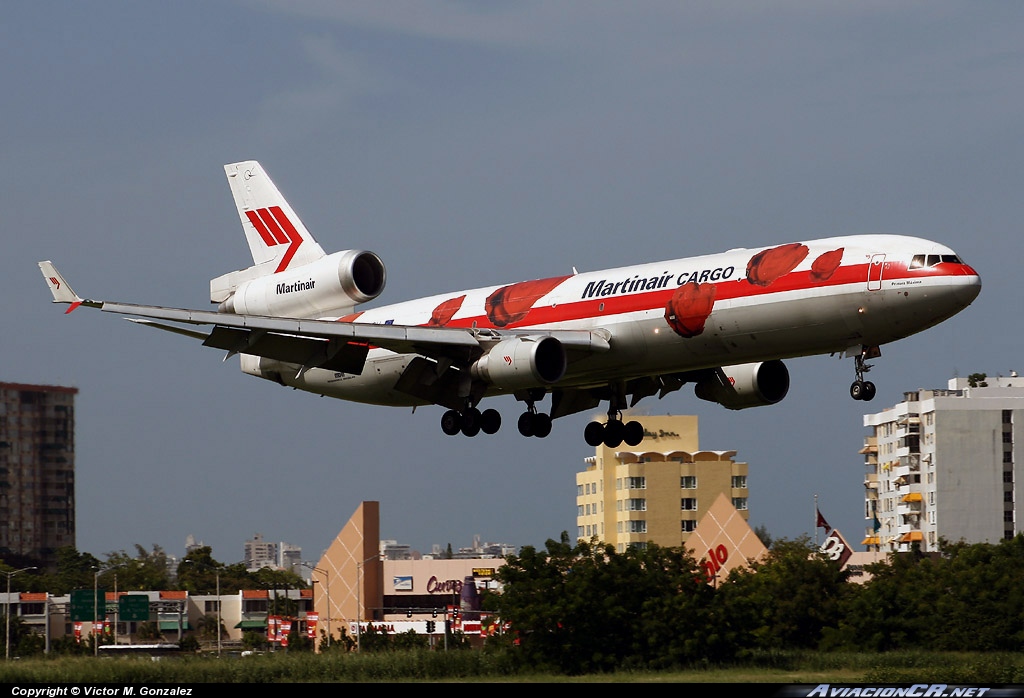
{"type": "Point", "coordinates": [862, 389]}
{"type": "Point", "coordinates": [451, 422]}
{"type": "Point", "coordinates": [526, 424]}
{"type": "Point", "coordinates": [490, 421]}
{"type": "Point", "coordinates": [593, 434]}
{"type": "Point", "coordinates": [613, 433]}
{"type": "Point", "coordinates": [471, 421]}
{"type": "Point", "coordinates": [633, 433]}
{"type": "Point", "coordinates": [541, 425]}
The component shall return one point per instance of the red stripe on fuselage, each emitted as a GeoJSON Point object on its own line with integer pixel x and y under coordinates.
{"type": "Point", "coordinates": [591, 308]}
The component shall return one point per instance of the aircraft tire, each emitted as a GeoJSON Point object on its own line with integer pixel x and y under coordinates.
{"type": "Point", "coordinates": [868, 392]}
{"type": "Point", "coordinates": [634, 433]}
{"type": "Point", "coordinates": [613, 433]}
{"type": "Point", "coordinates": [471, 419]}
{"type": "Point", "coordinates": [541, 425]}
{"type": "Point", "coordinates": [490, 421]}
{"type": "Point", "coordinates": [857, 390]}
{"type": "Point", "coordinates": [451, 423]}
{"type": "Point", "coordinates": [526, 424]}
{"type": "Point", "coordinates": [593, 434]}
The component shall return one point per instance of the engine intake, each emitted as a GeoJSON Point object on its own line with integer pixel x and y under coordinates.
{"type": "Point", "coordinates": [746, 385]}
{"type": "Point", "coordinates": [522, 362]}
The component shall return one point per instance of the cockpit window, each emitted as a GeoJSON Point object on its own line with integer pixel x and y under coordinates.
{"type": "Point", "coordinates": [921, 261]}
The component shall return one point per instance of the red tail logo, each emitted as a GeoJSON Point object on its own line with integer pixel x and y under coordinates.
{"type": "Point", "coordinates": [275, 229]}
{"type": "Point", "coordinates": [55, 282]}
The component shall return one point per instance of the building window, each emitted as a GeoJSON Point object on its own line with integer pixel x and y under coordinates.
{"type": "Point", "coordinates": [636, 483]}
{"type": "Point", "coordinates": [739, 482]}
{"type": "Point", "coordinates": [688, 525]}
{"type": "Point", "coordinates": [637, 526]}
{"type": "Point", "coordinates": [689, 504]}
{"type": "Point", "coordinates": [579, 490]}
{"type": "Point", "coordinates": [688, 482]}
{"type": "Point", "coordinates": [636, 505]}
{"type": "Point", "coordinates": [740, 503]}
{"type": "Point", "coordinates": [1007, 456]}
{"type": "Point", "coordinates": [1007, 416]}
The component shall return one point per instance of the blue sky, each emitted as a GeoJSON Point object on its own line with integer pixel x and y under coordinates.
{"type": "Point", "coordinates": [469, 144]}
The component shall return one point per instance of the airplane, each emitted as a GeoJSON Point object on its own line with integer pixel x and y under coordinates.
{"type": "Point", "coordinates": [723, 322]}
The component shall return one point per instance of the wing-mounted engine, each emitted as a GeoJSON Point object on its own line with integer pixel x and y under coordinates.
{"type": "Point", "coordinates": [745, 385]}
{"type": "Point", "coordinates": [331, 285]}
{"type": "Point", "coordinates": [522, 362]}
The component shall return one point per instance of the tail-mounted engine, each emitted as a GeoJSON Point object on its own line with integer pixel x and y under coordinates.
{"type": "Point", "coordinates": [522, 362]}
{"type": "Point", "coordinates": [332, 285]}
{"type": "Point", "coordinates": [746, 385]}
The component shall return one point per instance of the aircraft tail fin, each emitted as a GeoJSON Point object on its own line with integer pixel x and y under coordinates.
{"type": "Point", "coordinates": [278, 240]}
{"type": "Point", "coordinates": [276, 235]}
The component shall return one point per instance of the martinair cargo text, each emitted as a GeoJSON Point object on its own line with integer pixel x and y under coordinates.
{"type": "Point", "coordinates": [723, 322]}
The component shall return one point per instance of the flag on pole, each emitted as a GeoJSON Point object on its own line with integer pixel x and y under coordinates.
{"type": "Point", "coordinates": [821, 522]}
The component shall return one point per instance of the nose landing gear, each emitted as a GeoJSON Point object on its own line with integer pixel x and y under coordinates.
{"type": "Point", "coordinates": [862, 389]}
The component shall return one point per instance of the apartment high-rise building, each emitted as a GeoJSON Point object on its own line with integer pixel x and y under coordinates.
{"type": "Point", "coordinates": [941, 465]}
{"type": "Point", "coordinates": [657, 491]}
{"type": "Point", "coordinates": [37, 470]}
{"type": "Point", "coordinates": [259, 553]}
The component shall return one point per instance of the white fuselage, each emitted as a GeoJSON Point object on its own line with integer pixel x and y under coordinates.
{"type": "Point", "coordinates": [739, 306]}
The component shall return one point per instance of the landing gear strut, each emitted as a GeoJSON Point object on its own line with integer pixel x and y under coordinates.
{"type": "Point", "coordinates": [534, 423]}
{"type": "Point", "coordinates": [470, 421]}
{"type": "Point", "coordinates": [861, 389]}
{"type": "Point", "coordinates": [613, 432]}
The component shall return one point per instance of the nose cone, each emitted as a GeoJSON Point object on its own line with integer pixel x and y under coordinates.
{"type": "Point", "coordinates": [966, 284]}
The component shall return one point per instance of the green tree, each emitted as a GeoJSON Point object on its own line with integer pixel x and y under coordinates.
{"type": "Point", "coordinates": [786, 600]}
{"type": "Point", "coordinates": [74, 571]}
{"type": "Point", "coordinates": [587, 608]}
{"type": "Point", "coordinates": [144, 572]}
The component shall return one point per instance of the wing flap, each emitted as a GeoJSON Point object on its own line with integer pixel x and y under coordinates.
{"type": "Point", "coordinates": [310, 352]}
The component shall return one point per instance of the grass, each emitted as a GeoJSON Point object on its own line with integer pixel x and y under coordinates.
{"type": "Point", "coordinates": [471, 666]}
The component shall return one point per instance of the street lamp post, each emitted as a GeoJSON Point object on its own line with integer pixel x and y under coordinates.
{"type": "Point", "coordinates": [7, 637]}
{"type": "Point", "coordinates": [359, 603]}
{"type": "Point", "coordinates": [218, 613]}
{"type": "Point", "coordinates": [327, 589]}
{"type": "Point", "coordinates": [95, 612]}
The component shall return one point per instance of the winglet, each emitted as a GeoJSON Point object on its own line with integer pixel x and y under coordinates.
{"type": "Point", "coordinates": [61, 290]}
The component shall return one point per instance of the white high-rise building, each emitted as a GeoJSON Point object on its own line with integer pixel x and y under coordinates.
{"type": "Point", "coordinates": [941, 465]}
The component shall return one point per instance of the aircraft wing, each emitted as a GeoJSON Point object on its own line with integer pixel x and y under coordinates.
{"type": "Point", "coordinates": [309, 343]}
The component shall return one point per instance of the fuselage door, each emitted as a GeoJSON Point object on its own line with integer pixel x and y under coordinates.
{"type": "Point", "coordinates": [875, 272]}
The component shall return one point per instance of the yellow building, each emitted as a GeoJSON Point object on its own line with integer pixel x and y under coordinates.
{"type": "Point", "coordinates": [655, 492]}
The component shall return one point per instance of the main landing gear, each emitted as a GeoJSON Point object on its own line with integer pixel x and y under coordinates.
{"type": "Point", "coordinates": [532, 422]}
{"type": "Point", "coordinates": [861, 389]}
{"type": "Point", "coordinates": [613, 432]}
{"type": "Point", "coordinates": [470, 421]}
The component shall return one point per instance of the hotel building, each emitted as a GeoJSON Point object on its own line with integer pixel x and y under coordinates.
{"type": "Point", "coordinates": [655, 492]}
